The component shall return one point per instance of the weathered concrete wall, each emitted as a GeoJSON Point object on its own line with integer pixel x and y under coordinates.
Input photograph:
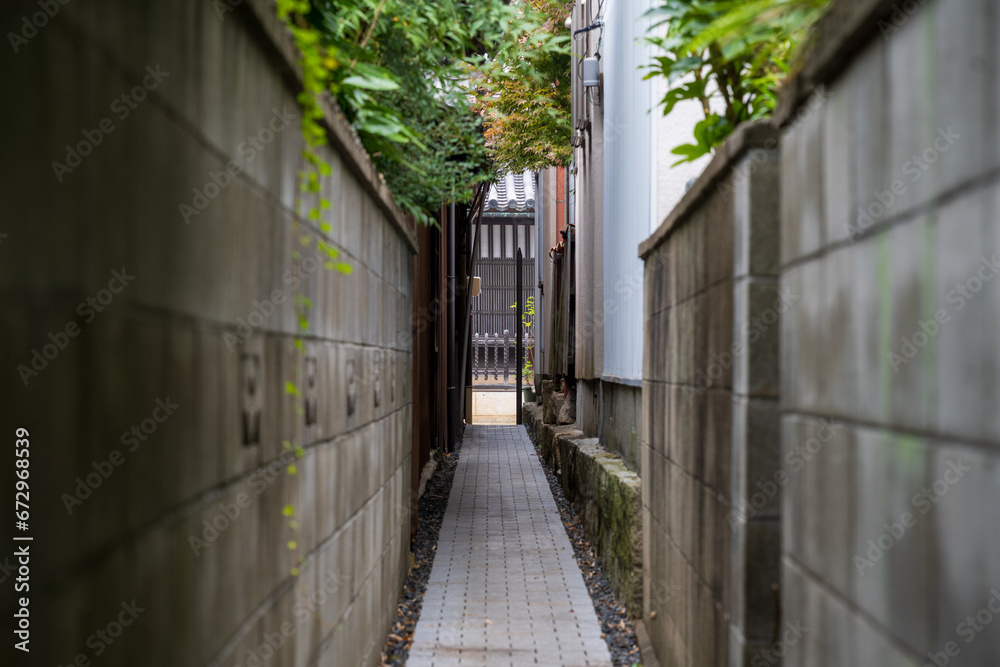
{"type": "Point", "coordinates": [606, 495]}
{"type": "Point", "coordinates": [611, 412]}
{"type": "Point", "coordinates": [890, 367]}
{"type": "Point", "coordinates": [180, 508]}
{"type": "Point", "coordinates": [709, 412]}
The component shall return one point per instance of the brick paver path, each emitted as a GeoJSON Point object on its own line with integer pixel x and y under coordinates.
{"type": "Point", "coordinates": [505, 589]}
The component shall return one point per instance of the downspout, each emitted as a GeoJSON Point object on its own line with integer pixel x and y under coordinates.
{"type": "Point", "coordinates": [541, 252]}
{"type": "Point", "coordinates": [473, 256]}
{"type": "Point", "coordinates": [519, 328]}
{"type": "Point", "coordinates": [450, 277]}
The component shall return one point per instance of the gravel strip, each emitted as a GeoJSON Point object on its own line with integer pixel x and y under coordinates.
{"type": "Point", "coordinates": [616, 628]}
{"type": "Point", "coordinates": [422, 548]}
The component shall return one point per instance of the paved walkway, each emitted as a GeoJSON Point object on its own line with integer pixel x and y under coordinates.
{"type": "Point", "coordinates": [505, 589]}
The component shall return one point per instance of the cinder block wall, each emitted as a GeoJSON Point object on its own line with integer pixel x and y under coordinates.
{"type": "Point", "coordinates": [710, 412]}
{"type": "Point", "coordinates": [890, 366]}
{"type": "Point", "coordinates": [172, 335]}
{"type": "Point", "coordinates": [619, 422]}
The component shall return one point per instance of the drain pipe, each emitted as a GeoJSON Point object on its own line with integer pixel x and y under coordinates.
{"type": "Point", "coordinates": [467, 325]}
{"type": "Point", "coordinates": [450, 277]}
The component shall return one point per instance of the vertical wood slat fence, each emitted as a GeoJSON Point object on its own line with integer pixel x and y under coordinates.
{"type": "Point", "coordinates": [492, 351]}
{"type": "Point", "coordinates": [491, 310]}
{"type": "Point", "coordinates": [495, 354]}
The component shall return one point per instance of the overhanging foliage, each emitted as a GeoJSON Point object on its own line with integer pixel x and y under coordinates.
{"type": "Point", "coordinates": [441, 92]}
{"type": "Point", "coordinates": [730, 50]}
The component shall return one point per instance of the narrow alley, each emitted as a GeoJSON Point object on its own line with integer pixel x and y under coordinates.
{"type": "Point", "coordinates": [505, 589]}
{"type": "Point", "coordinates": [426, 333]}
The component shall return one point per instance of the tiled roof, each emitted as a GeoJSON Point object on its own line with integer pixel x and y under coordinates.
{"type": "Point", "coordinates": [513, 192]}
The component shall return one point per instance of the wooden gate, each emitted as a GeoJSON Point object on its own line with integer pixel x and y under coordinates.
{"type": "Point", "coordinates": [493, 318]}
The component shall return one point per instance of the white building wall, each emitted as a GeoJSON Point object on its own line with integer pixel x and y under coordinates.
{"type": "Point", "coordinates": [628, 182]}
{"type": "Point", "coordinates": [640, 185]}
{"type": "Point", "coordinates": [672, 131]}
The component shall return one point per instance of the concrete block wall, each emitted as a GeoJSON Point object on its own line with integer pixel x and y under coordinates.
{"type": "Point", "coordinates": [889, 365]}
{"type": "Point", "coordinates": [172, 336]}
{"type": "Point", "coordinates": [710, 412]}
{"type": "Point", "coordinates": [610, 411]}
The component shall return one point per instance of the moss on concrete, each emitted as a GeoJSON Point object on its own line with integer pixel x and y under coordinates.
{"type": "Point", "coordinates": [606, 495]}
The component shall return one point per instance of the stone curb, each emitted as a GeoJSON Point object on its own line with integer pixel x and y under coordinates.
{"type": "Point", "coordinates": [607, 497]}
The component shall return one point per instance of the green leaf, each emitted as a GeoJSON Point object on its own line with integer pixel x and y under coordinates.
{"type": "Point", "coordinates": [371, 83]}
{"type": "Point", "coordinates": [740, 47]}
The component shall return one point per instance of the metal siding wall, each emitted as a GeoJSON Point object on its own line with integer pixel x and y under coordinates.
{"type": "Point", "coordinates": [628, 182]}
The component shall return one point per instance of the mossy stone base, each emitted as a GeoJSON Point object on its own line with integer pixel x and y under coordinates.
{"type": "Point", "coordinates": [606, 495]}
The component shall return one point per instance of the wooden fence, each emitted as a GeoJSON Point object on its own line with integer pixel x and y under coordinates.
{"type": "Point", "coordinates": [495, 354]}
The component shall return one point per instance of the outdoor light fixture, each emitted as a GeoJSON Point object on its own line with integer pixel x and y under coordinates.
{"type": "Point", "coordinates": [591, 72]}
